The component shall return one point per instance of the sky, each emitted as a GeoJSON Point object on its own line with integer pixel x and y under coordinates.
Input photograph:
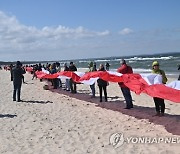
{"type": "Point", "coordinates": [76, 29]}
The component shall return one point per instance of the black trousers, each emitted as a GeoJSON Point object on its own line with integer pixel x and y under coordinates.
{"type": "Point", "coordinates": [105, 92]}
{"type": "Point", "coordinates": [55, 83]}
{"type": "Point", "coordinates": [17, 90]}
{"type": "Point", "coordinates": [159, 104]}
{"type": "Point", "coordinates": [23, 79]}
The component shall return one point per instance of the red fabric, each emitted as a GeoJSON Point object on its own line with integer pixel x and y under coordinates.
{"type": "Point", "coordinates": [162, 91]}
{"type": "Point", "coordinates": [133, 81]}
{"type": "Point", "coordinates": [124, 69]}
{"type": "Point", "coordinates": [70, 74]}
{"type": "Point", "coordinates": [137, 84]}
{"type": "Point", "coordinates": [103, 75]}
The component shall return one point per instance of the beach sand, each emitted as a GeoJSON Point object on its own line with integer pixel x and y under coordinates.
{"type": "Point", "coordinates": [55, 121]}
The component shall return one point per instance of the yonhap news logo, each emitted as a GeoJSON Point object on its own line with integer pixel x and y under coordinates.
{"type": "Point", "coordinates": [118, 139]}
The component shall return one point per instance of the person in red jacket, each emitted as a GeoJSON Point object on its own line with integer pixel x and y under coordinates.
{"type": "Point", "coordinates": [125, 69]}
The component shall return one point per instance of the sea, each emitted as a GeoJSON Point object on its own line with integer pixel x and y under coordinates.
{"type": "Point", "coordinates": [169, 62]}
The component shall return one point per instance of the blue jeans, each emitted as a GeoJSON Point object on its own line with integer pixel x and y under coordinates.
{"type": "Point", "coordinates": [93, 89]}
{"type": "Point", "coordinates": [127, 95]}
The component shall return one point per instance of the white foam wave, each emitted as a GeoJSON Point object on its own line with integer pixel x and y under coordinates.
{"type": "Point", "coordinates": [102, 60]}
{"type": "Point", "coordinates": [151, 58]}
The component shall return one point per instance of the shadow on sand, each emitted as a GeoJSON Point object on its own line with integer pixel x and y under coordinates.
{"type": "Point", "coordinates": [170, 122]}
{"type": "Point", "coordinates": [7, 115]}
{"type": "Point", "coordinates": [40, 102]}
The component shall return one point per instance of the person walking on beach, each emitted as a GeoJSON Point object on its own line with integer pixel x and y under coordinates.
{"type": "Point", "coordinates": [102, 84]}
{"type": "Point", "coordinates": [159, 102]}
{"type": "Point", "coordinates": [92, 68]}
{"type": "Point", "coordinates": [72, 68]}
{"type": "Point", "coordinates": [125, 69]}
{"type": "Point", "coordinates": [17, 80]}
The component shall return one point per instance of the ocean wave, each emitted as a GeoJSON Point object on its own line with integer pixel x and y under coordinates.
{"type": "Point", "coordinates": [102, 60]}
{"type": "Point", "coordinates": [138, 70]}
{"type": "Point", "coordinates": [151, 58]}
{"type": "Point", "coordinates": [98, 60]}
{"type": "Point", "coordinates": [131, 59]}
{"type": "Point", "coordinates": [84, 61]}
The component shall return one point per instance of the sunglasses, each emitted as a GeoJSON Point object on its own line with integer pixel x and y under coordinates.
{"type": "Point", "coordinates": [156, 65]}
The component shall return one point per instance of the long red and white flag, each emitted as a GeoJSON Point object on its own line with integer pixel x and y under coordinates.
{"type": "Point", "coordinates": [150, 84]}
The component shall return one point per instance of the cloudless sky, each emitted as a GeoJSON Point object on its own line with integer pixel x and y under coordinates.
{"type": "Point", "coordinates": [96, 14]}
{"type": "Point", "coordinates": [138, 16]}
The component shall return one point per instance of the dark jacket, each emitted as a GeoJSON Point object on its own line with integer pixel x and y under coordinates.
{"type": "Point", "coordinates": [102, 82]}
{"type": "Point", "coordinates": [39, 67]}
{"type": "Point", "coordinates": [72, 68]}
{"type": "Point", "coordinates": [17, 75]}
{"type": "Point", "coordinates": [66, 68]}
{"type": "Point", "coordinates": [53, 70]}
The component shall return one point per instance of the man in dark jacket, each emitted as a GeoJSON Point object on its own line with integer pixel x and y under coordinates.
{"type": "Point", "coordinates": [17, 73]}
{"type": "Point", "coordinates": [72, 68]}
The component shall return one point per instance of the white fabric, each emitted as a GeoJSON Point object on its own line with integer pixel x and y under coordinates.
{"type": "Point", "coordinates": [91, 81]}
{"type": "Point", "coordinates": [45, 71]}
{"type": "Point", "coordinates": [114, 73]}
{"type": "Point", "coordinates": [152, 78]}
{"type": "Point", "coordinates": [174, 85]}
{"type": "Point", "coordinates": [63, 77]}
{"type": "Point", "coordinates": [80, 74]}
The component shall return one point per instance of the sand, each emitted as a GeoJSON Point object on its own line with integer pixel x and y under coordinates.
{"type": "Point", "coordinates": [57, 122]}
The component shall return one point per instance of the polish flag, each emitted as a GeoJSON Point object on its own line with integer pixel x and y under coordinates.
{"type": "Point", "coordinates": [151, 84]}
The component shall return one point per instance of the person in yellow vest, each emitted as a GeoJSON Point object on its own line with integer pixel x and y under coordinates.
{"type": "Point", "coordinates": [159, 102]}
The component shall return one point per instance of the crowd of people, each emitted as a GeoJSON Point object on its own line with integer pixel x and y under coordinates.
{"type": "Point", "coordinates": [18, 70]}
